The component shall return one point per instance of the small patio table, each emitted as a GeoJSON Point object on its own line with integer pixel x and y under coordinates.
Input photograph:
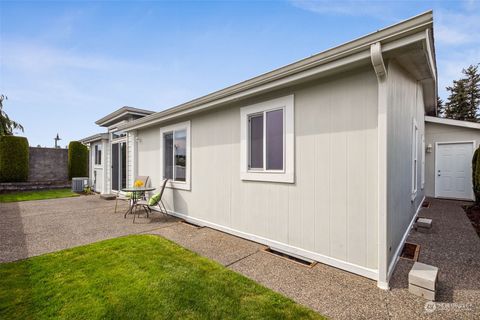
{"type": "Point", "coordinates": [136, 193]}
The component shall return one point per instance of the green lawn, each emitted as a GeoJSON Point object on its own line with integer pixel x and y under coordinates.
{"type": "Point", "coordinates": [135, 277]}
{"type": "Point", "coordinates": [37, 195]}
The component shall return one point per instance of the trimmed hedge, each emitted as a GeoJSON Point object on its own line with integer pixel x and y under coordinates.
{"type": "Point", "coordinates": [476, 175]}
{"type": "Point", "coordinates": [13, 159]}
{"type": "Point", "coordinates": [77, 160]}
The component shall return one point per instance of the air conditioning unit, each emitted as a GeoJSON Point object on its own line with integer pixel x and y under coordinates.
{"type": "Point", "coordinates": [79, 184]}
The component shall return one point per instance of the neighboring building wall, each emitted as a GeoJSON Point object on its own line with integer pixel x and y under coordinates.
{"type": "Point", "coordinates": [330, 210]}
{"type": "Point", "coordinates": [435, 132]}
{"type": "Point", "coordinates": [48, 164]}
{"type": "Point", "coordinates": [405, 102]}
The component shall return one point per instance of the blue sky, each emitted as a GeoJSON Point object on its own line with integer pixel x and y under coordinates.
{"type": "Point", "coordinates": [66, 64]}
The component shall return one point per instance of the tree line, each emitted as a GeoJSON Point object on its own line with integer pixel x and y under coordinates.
{"type": "Point", "coordinates": [463, 102]}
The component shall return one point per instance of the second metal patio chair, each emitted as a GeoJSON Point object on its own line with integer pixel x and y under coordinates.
{"type": "Point", "coordinates": [155, 200]}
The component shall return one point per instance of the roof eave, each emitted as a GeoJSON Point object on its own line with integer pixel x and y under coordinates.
{"type": "Point", "coordinates": [122, 112]}
{"type": "Point", "coordinates": [453, 122]}
{"type": "Point", "coordinates": [348, 53]}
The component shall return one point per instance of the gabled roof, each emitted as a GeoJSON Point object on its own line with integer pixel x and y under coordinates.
{"type": "Point", "coordinates": [412, 40]}
{"type": "Point", "coordinates": [452, 122]}
{"type": "Point", "coordinates": [122, 114]}
{"type": "Point", "coordinates": [95, 137]}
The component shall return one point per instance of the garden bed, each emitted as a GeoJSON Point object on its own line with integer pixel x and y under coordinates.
{"type": "Point", "coordinates": [473, 213]}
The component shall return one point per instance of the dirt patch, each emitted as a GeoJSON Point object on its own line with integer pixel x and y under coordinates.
{"type": "Point", "coordinates": [410, 251]}
{"type": "Point", "coordinates": [473, 213]}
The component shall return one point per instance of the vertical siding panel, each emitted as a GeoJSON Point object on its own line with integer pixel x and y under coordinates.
{"type": "Point", "coordinates": [306, 147]}
{"type": "Point", "coordinates": [294, 192]}
{"type": "Point", "coordinates": [371, 186]}
{"type": "Point", "coordinates": [356, 180]}
{"type": "Point", "coordinates": [339, 180]}
{"type": "Point", "coordinates": [322, 115]}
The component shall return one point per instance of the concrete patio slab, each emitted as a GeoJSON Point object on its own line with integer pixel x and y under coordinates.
{"type": "Point", "coordinates": [32, 228]}
{"type": "Point", "coordinates": [216, 245]}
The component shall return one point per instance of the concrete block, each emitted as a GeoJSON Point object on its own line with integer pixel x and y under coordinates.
{"type": "Point", "coordinates": [421, 292]}
{"type": "Point", "coordinates": [424, 223]}
{"type": "Point", "coordinates": [108, 196]}
{"type": "Point", "coordinates": [423, 275]}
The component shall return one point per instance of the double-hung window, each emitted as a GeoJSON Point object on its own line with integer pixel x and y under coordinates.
{"type": "Point", "coordinates": [175, 157]}
{"type": "Point", "coordinates": [414, 159]}
{"type": "Point", "coordinates": [267, 141]}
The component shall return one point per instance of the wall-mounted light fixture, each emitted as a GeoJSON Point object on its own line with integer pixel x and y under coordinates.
{"type": "Point", "coordinates": [429, 148]}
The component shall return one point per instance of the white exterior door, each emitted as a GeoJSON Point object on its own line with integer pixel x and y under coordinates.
{"type": "Point", "coordinates": [98, 179]}
{"type": "Point", "coordinates": [453, 172]}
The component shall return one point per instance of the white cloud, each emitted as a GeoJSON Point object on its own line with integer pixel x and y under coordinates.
{"type": "Point", "coordinates": [376, 9]}
{"type": "Point", "coordinates": [40, 58]}
{"type": "Point", "coordinates": [456, 28]}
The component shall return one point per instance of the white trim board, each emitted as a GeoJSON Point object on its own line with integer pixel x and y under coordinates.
{"type": "Point", "coordinates": [451, 122]}
{"type": "Point", "coordinates": [474, 145]}
{"type": "Point", "coordinates": [396, 255]}
{"type": "Point", "coordinates": [347, 266]}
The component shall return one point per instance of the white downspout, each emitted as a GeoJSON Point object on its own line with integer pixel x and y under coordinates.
{"type": "Point", "coordinates": [381, 72]}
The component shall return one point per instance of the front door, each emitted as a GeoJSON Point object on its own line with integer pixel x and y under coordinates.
{"type": "Point", "coordinates": [119, 166]}
{"type": "Point", "coordinates": [453, 176]}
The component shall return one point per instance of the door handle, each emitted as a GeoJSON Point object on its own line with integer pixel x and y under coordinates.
{"type": "Point", "coordinates": [439, 173]}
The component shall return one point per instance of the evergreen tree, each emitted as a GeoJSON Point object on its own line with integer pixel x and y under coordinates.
{"type": "Point", "coordinates": [457, 106]}
{"type": "Point", "coordinates": [472, 87]}
{"type": "Point", "coordinates": [464, 99]}
{"type": "Point", "coordinates": [7, 125]}
{"type": "Point", "coordinates": [440, 107]}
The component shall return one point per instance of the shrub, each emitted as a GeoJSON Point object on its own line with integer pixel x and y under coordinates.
{"type": "Point", "coordinates": [13, 159]}
{"type": "Point", "coordinates": [77, 160]}
{"type": "Point", "coordinates": [476, 175]}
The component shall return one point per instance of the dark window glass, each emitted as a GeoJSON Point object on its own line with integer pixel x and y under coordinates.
{"type": "Point", "coordinates": [168, 155]}
{"type": "Point", "coordinates": [123, 161]}
{"type": "Point", "coordinates": [115, 166]}
{"type": "Point", "coordinates": [274, 140]}
{"type": "Point", "coordinates": [98, 154]}
{"type": "Point", "coordinates": [180, 155]}
{"type": "Point", "coordinates": [118, 134]}
{"type": "Point", "coordinates": [256, 141]}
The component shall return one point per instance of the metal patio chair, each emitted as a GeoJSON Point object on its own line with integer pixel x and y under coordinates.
{"type": "Point", "coordinates": [147, 205]}
{"type": "Point", "coordinates": [122, 197]}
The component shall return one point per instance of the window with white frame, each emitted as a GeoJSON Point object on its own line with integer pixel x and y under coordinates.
{"type": "Point", "coordinates": [267, 141]}
{"type": "Point", "coordinates": [98, 154]}
{"type": "Point", "coordinates": [414, 159]}
{"type": "Point", "coordinates": [175, 155]}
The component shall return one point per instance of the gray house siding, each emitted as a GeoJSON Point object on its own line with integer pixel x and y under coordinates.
{"type": "Point", "coordinates": [329, 213]}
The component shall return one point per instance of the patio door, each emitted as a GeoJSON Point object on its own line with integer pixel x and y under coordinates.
{"type": "Point", "coordinates": [119, 166]}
